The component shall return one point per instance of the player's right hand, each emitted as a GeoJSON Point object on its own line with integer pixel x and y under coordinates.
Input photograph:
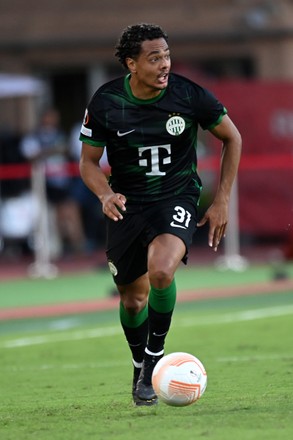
{"type": "Point", "coordinates": [113, 204]}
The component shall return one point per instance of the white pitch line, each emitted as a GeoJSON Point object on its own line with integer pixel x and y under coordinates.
{"type": "Point", "coordinates": [82, 366]}
{"type": "Point", "coordinates": [115, 364]}
{"type": "Point", "coordinates": [247, 315]}
{"type": "Point", "coordinates": [62, 337]}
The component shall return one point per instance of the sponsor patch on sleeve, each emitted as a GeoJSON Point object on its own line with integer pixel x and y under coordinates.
{"type": "Point", "coordinates": [86, 131]}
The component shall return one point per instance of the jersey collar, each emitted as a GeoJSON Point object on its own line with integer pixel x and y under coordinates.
{"type": "Point", "coordinates": [138, 100]}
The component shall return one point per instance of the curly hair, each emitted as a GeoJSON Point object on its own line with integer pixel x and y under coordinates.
{"type": "Point", "coordinates": [129, 44]}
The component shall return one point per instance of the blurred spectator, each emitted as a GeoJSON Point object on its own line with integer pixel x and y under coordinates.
{"type": "Point", "coordinates": [11, 155]}
{"type": "Point", "coordinates": [92, 215]}
{"type": "Point", "coordinates": [13, 193]}
{"type": "Point", "coordinates": [48, 144]}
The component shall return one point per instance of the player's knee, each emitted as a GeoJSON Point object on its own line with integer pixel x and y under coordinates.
{"type": "Point", "coordinates": [133, 305]}
{"type": "Point", "coordinates": [161, 278]}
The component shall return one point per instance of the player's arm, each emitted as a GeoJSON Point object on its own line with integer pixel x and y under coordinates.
{"type": "Point", "coordinates": [93, 176]}
{"type": "Point", "coordinates": [217, 214]}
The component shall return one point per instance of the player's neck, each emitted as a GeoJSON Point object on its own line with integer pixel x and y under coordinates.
{"type": "Point", "coordinates": [142, 91]}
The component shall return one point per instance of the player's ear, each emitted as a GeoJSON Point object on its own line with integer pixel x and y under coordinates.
{"type": "Point", "coordinates": [131, 64]}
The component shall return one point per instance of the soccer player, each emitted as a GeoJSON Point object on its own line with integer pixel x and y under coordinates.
{"type": "Point", "coordinates": [148, 122]}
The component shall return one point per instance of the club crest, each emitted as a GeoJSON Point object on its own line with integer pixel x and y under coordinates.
{"type": "Point", "coordinates": [175, 125]}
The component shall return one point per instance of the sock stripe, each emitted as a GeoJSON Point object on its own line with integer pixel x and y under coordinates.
{"type": "Point", "coordinates": [137, 364]}
{"type": "Point", "coordinates": [151, 353]}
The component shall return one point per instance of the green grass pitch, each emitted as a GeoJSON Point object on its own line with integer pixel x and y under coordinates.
{"type": "Point", "coordinates": [69, 377]}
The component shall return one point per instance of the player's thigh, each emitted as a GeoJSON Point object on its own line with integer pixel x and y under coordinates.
{"type": "Point", "coordinates": [172, 226]}
{"type": "Point", "coordinates": [165, 253]}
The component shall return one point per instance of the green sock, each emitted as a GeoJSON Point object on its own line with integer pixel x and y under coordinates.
{"type": "Point", "coordinates": [161, 306]}
{"type": "Point", "coordinates": [163, 300]}
{"type": "Point", "coordinates": [132, 321]}
{"type": "Point", "coordinates": [136, 331]}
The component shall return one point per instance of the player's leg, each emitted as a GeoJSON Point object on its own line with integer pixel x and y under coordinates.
{"type": "Point", "coordinates": [134, 321]}
{"type": "Point", "coordinates": [127, 259]}
{"type": "Point", "coordinates": [171, 227]}
{"type": "Point", "coordinates": [165, 253]}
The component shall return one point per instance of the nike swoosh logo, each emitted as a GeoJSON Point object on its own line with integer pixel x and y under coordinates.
{"type": "Point", "coordinates": [159, 335]}
{"type": "Point", "coordinates": [124, 133]}
{"type": "Point", "coordinates": [177, 226]}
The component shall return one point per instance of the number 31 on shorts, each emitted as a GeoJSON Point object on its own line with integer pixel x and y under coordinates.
{"type": "Point", "coordinates": [181, 219]}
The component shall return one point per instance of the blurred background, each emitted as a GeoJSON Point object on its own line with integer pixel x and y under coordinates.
{"type": "Point", "coordinates": [54, 55]}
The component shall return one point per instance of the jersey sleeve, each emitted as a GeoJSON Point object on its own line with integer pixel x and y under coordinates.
{"type": "Point", "coordinates": [211, 111]}
{"type": "Point", "coordinates": [93, 131]}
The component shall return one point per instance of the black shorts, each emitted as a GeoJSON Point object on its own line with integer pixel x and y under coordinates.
{"type": "Point", "coordinates": [128, 239]}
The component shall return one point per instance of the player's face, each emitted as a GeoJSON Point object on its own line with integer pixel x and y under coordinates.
{"type": "Point", "coordinates": [150, 70]}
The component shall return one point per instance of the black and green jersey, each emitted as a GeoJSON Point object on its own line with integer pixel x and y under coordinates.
{"type": "Point", "coordinates": [151, 144]}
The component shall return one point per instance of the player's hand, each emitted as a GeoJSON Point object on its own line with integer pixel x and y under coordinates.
{"type": "Point", "coordinates": [113, 204]}
{"type": "Point", "coordinates": [217, 216]}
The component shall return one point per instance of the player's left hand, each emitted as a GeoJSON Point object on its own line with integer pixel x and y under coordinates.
{"type": "Point", "coordinates": [217, 216]}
